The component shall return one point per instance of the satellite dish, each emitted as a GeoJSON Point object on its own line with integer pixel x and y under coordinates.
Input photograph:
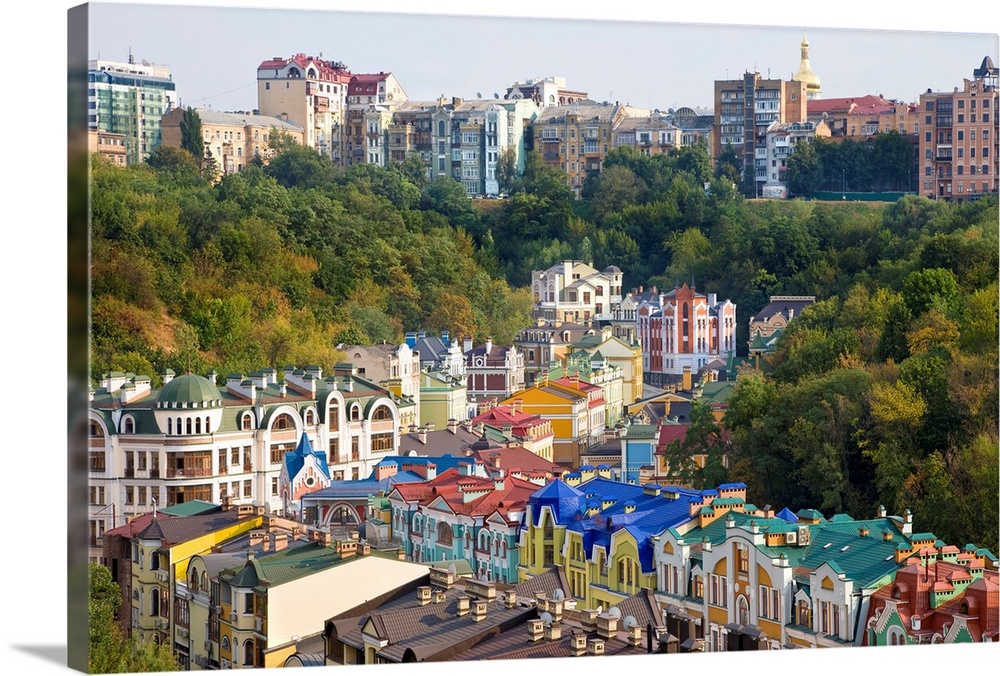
{"type": "Point", "coordinates": [546, 618]}
{"type": "Point", "coordinates": [145, 63]}
{"type": "Point", "coordinates": [600, 609]}
{"type": "Point", "coordinates": [495, 95]}
{"type": "Point", "coordinates": [615, 612]}
{"type": "Point", "coordinates": [479, 95]}
{"type": "Point", "coordinates": [630, 622]}
{"type": "Point", "coordinates": [558, 595]}
{"type": "Point", "coordinates": [411, 454]}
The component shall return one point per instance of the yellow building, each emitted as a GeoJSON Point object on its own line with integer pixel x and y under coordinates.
{"type": "Point", "coordinates": [232, 140]}
{"type": "Point", "coordinates": [160, 556]}
{"type": "Point", "coordinates": [576, 410]}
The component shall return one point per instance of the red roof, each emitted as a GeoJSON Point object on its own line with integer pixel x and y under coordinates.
{"type": "Point", "coordinates": [326, 69]}
{"type": "Point", "coordinates": [136, 525]}
{"type": "Point", "coordinates": [817, 106]}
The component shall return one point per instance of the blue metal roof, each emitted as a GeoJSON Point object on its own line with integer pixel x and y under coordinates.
{"type": "Point", "coordinates": [294, 460]}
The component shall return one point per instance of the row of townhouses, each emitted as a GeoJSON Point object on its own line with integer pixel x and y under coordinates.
{"type": "Point", "coordinates": [535, 563]}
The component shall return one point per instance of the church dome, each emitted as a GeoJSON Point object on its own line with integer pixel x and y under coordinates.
{"type": "Point", "coordinates": [805, 72]}
{"type": "Point", "coordinates": [189, 391]}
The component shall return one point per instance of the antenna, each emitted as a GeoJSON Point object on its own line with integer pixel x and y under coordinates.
{"type": "Point", "coordinates": [615, 612]}
{"type": "Point", "coordinates": [546, 618]}
{"type": "Point", "coordinates": [630, 622]}
{"type": "Point", "coordinates": [558, 595]}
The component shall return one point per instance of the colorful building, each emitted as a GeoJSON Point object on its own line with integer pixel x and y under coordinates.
{"type": "Point", "coordinates": [493, 370]}
{"type": "Point", "coordinates": [531, 431]}
{"type": "Point", "coordinates": [573, 291]}
{"type": "Point", "coordinates": [546, 344]}
{"type": "Point", "coordinates": [304, 471]}
{"type": "Point", "coordinates": [684, 329]}
{"type": "Point", "coordinates": [459, 516]}
{"type": "Point", "coordinates": [767, 326]}
{"type": "Point", "coordinates": [944, 595]}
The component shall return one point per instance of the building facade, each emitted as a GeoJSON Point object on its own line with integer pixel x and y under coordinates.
{"type": "Point", "coordinates": [129, 99]}
{"type": "Point", "coordinates": [684, 328]}
{"type": "Point", "coordinates": [309, 92]}
{"type": "Point", "coordinates": [745, 108]}
{"type": "Point", "coordinates": [194, 440]}
{"type": "Point", "coordinates": [573, 291]}
{"type": "Point", "coordinates": [232, 140]}
{"type": "Point", "coordinates": [958, 138]}
{"type": "Point", "coordinates": [780, 143]}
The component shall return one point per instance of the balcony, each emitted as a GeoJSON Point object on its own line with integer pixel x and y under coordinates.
{"type": "Point", "coordinates": [188, 473]}
{"type": "Point", "coordinates": [162, 574]}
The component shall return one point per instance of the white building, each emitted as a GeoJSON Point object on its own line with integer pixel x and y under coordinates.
{"type": "Point", "coordinates": [573, 291]}
{"type": "Point", "coordinates": [195, 440]}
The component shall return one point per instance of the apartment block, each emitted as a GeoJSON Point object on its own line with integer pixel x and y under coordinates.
{"type": "Point", "coordinates": [129, 99]}
{"type": "Point", "coordinates": [233, 140]}
{"type": "Point", "coordinates": [958, 138]}
{"type": "Point", "coordinates": [745, 108]}
{"type": "Point", "coordinates": [309, 92]}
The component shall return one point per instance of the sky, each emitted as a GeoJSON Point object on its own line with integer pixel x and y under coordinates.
{"type": "Point", "coordinates": [214, 52]}
{"type": "Point", "coordinates": [35, 245]}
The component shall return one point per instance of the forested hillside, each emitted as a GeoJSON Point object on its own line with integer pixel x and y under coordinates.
{"type": "Point", "coordinates": [883, 392]}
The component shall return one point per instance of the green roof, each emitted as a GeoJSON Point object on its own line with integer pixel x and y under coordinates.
{"type": "Point", "coordinates": [189, 388]}
{"type": "Point", "coordinates": [190, 508]}
{"type": "Point", "coordinates": [917, 537]}
{"type": "Point", "coordinates": [727, 501]}
{"type": "Point", "coordinates": [287, 565]}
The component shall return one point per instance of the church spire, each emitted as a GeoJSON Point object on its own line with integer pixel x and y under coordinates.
{"type": "Point", "coordinates": [805, 72]}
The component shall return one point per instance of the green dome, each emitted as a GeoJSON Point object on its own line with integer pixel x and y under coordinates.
{"type": "Point", "coordinates": [189, 389]}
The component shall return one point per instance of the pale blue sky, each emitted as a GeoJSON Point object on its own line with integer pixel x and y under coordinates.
{"type": "Point", "coordinates": [214, 52]}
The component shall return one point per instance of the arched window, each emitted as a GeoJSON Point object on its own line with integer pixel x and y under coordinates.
{"type": "Point", "coordinates": [179, 427]}
{"type": "Point", "coordinates": [503, 549]}
{"type": "Point", "coordinates": [283, 422]}
{"type": "Point", "coordinates": [170, 425]}
{"type": "Point", "coordinates": [204, 581]}
{"type": "Point", "coordinates": [187, 425]}
{"type": "Point", "coordinates": [444, 534]}
{"type": "Point", "coordinates": [743, 609]}
{"type": "Point", "coordinates": [225, 643]}
{"type": "Point", "coordinates": [207, 426]}
{"type": "Point", "coordinates": [382, 412]}
{"type": "Point", "coordinates": [440, 128]}
{"type": "Point", "coordinates": [197, 425]}
{"type": "Point", "coordinates": [496, 547]}
{"type": "Point", "coordinates": [154, 602]}
{"type": "Point", "coordinates": [154, 561]}
{"type": "Point", "coordinates": [310, 417]}
{"type": "Point", "coordinates": [193, 582]}
{"type": "Point", "coordinates": [356, 412]}
{"type": "Point", "coordinates": [333, 416]}
{"type": "Point", "coordinates": [247, 422]}
{"type": "Point", "coordinates": [248, 653]}
{"type": "Point", "coordinates": [129, 426]}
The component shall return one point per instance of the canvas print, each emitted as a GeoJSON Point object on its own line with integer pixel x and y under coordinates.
{"type": "Point", "coordinates": [405, 343]}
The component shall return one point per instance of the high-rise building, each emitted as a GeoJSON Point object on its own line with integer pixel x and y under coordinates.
{"type": "Point", "coordinates": [745, 108]}
{"type": "Point", "coordinates": [958, 133]}
{"type": "Point", "coordinates": [129, 99]}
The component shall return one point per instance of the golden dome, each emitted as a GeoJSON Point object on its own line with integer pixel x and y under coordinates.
{"type": "Point", "coordinates": [805, 72]}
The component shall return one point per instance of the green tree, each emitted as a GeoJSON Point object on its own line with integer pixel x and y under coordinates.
{"type": "Point", "coordinates": [729, 164]}
{"type": "Point", "coordinates": [804, 174]}
{"type": "Point", "coordinates": [507, 171]}
{"type": "Point", "coordinates": [192, 136]}
{"type": "Point", "coordinates": [109, 651]}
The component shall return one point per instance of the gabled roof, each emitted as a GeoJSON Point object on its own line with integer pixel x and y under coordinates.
{"type": "Point", "coordinates": [295, 460]}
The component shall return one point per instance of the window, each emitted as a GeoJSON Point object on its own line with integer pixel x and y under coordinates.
{"type": "Point", "coordinates": [764, 598]}
{"type": "Point", "coordinates": [247, 488]}
{"type": "Point", "coordinates": [744, 556]}
{"type": "Point", "coordinates": [274, 485]}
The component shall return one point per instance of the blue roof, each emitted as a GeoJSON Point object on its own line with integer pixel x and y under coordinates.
{"type": "Point", "coordinates": [565, 502]}
{"type": "Point", "coordinates": [787, 515]}
{"type": "Point", "coordinates": [733, 486]}
{"type": "Point", "coordinates": [294, 460]}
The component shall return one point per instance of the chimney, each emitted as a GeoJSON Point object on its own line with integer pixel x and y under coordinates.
{"type": "Point", "coordinates": [422, 435]}
{"type": "Point", "coordinates": [438, 596]}
{"type": "Point", "coordinates": [489, 345]}
{"type": "Point", "coordinates": [881, 511]}
{"type": "Point", "coordinates": [635, 636]}
{"type": "Point", "coordinates": [510, 600]}
{"type": "Point", "coordinates": [863, 531]}
{"type": "Point", "coordinates": [686, 377]}
{"type": "Point", "coordinates": [479, 610]}
{"type": "Point", "coordinates": [463, 605]}
{"type": "Point", "coordinates": [453, 426]}
{"type": "Point", "coordinates": [466, 344]}
{"type": "Point", "coordinates": [578, 644]}
{"type": "Point", "coordinates": [553, 632]}
{"type": "Point", "coordinates": [536, 630]}
{"type": "Point", "coordinates": [607, 625]}
{"type": "Point", "coordinates": [424, 595]}
{"type": "Point", "coordinates": [595, 646]}
{"type": "Point", "coordinates": [588, 619]}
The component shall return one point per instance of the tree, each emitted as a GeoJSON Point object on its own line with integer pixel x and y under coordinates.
{"type": "Point", "coordinates": [507, 171]}
{"type": "Point", "coordinates": [804, 174]}
{"type": "Point", "coordinates": [110, 651]}
{"type": "Point", "coordinates": [192, 136]}
{"type": "Point", "coordinates": [729, 164]}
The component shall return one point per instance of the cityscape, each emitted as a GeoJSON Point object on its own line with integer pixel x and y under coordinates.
{"type": "Point", "coordinates": [382, 379]}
